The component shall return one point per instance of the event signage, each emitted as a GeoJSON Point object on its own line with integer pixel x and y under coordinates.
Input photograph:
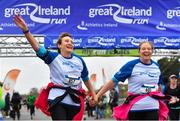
{"type": "Point", "coordinates": [112, 42]}
{"type": "Point", "coordinates": [97, 24]}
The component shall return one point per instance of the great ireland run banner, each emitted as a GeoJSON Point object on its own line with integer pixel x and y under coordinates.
{"type": "Point", "coordinates": [97, 24]}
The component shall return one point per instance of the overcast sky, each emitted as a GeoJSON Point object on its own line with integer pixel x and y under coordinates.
{"type": "Point", "coordinates": [35, 73]}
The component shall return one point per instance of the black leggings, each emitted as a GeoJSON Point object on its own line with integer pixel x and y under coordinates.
{"type": "Point", "coordinates": [32, 110]}
{"type": "Point", "coordinates": [174, 114]}
{"type": "Point", "coordinates": [144, 115]}
{"type": "Point", "coordinates": [63, 112]}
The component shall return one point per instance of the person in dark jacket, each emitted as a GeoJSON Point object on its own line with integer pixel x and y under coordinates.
{"type": "Point", "coordinates": [7, 104]}
{"type": "Point", "coordinates": [173, 89]}
{"type": "Point", "coordinates": [16, 105]}
{"type": "Point", "coordinates": [113, 101]}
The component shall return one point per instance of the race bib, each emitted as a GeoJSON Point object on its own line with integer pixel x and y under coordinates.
{"type": "Point", "coordinates": [71, 80]}
{"type": "Point", "coordinates": [146, 88]}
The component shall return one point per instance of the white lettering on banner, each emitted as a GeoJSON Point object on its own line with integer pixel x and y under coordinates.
{"type": "Point", "coordinates": [102, 41]}
{"type": "Point", "coordinates": [58, 21]}
{"type": "Point", "coordinates": [79, 40]}
{"type": "Point", "coordinates": [133, 40]}
{"type": "Point", "coordinates": [122, 11]}
{"type": "Point", "coordinates": [76, 41]}
{"type": "Point", "coordinates": [8, 12]}
{"type": "Point", "coordinates": [100, 11]}
{"type": "Point", "coordinates": [13, 24]}
{"type": "Point", "coordinates": [55, 41]}
{"type": "Point", "coordinates": [110, 25]}
{"type": "Point", "coordinates": [163, 26]}
{"type": "Point", "coordinates": [172, 25]}
{"type": "Point", "coordinates": [93, 25]}
{"type": "Point", "coordinates": [173, 13]}
{"type": "Point", "coordinates": [39, 11]}
{"type": "Point", "coordinates": [141, 21]}
{"type": "Point", "coordinates": [168, 41]}
{"type": "Point", "coordinates": [84, 26]}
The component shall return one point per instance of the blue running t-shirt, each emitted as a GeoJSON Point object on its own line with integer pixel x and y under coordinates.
{"type": "Point", "coordinates": [68, 72]}
{"type": "Point", "coordinates": [139, 76]}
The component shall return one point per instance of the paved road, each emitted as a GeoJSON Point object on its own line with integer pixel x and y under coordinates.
{"type": "Point", "coordinates": [25, 115]}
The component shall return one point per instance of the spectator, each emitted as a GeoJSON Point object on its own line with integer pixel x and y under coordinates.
{"type": "Point", "coordinates": [30, 102]}
{"type": "Point", "coordinates": [7, 105]}
{"type": "Point", "coordinates": [113, 98]}
{"type": "Point", "coordinates": [89, 108]}
{"type": "Point", "coordinates": [173, 89]}
{"type": "Point", "coordinates": [16, 105]}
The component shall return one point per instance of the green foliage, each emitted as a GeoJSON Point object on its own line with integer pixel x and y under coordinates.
{"type": "Point", "coordinates": [2, 104]}
{"type": "Point", "coordinates": [106, 53]}
{"type": "Point", "coordinates": [169, 66]}
{"type": "Point", "coordinates": [108, 112]}
{"type": "Point", "coordinates": [123, 89]}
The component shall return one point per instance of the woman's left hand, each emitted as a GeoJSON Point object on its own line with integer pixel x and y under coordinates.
{"type": "Point", "coordinates": [173, 100]}
{"type": "Point", "coordinates": [93, 101]}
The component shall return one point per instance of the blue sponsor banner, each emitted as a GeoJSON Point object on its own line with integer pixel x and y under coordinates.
{"type": "Point", "coordinates": [95, 23]}
{"type": "Point", "coordinates": [112, 42]}
{"type": "Point", "coordinates": [51, 41]}
{"type": "Point", "coordinates": [96, 42]}
{"type": "Point", "coordinates": [160, 42]}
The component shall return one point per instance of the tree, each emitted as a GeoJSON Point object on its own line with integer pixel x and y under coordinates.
{"type": "Point", "coordinates": [169, 66]}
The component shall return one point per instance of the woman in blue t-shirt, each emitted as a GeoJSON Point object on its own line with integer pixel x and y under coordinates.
{"type": "Point", "coordinates": [67, 72]}
{"type": "Point", "coordinates": [144, 80]}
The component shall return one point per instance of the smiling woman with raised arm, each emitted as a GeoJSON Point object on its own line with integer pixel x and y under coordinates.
{"type": "Point", "coordinates": [144, 80]}
{"type": "Point", "coordinates": [63, 99]}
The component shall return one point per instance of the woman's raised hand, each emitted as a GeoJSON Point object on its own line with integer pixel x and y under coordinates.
{"type": "Point", "coordinates": [18, 20]}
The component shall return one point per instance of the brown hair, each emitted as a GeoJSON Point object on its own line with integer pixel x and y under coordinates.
{"type": "Point", "coordinates": [140, 44]}
{"type": "Point", "coordinates": [64, 34]}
